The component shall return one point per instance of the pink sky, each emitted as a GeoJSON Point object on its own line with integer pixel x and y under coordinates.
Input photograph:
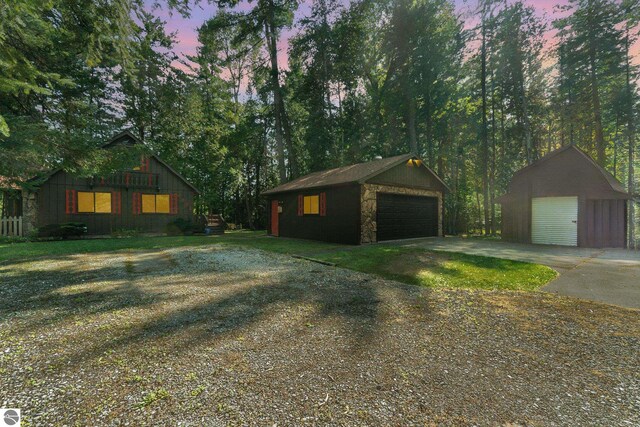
{"type": "Point", "coordinates": [187, 39]}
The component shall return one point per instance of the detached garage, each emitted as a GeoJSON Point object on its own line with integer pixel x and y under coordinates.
{"type": "Point", "coordinates": [385, 199]}
{"type": "Point", "coordinates": [567, 199]}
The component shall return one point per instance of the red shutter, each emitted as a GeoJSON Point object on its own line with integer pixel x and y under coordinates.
{"type": "Point", "coordinates": [137, 202]}
{"type": "Point", "coordinates": [323, 204]}
{"type": "Point", "coordinates": [300, 205]}
{"type": "Point", "coordinates": [173, 203]}
{"type": "Point", "coordinates": [127, 178]}
{"type": "Point", "coordinates": [144, 164]}
{"type": "Point", "coordinates": [150, 180]}
{"type": "Point", "coordinates": [116, 202]}
{"type": "Point", "coordinates": [70, 201]}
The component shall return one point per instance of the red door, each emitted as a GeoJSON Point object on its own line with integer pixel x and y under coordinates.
{"type": "Point", "coordinates": [274, 218]}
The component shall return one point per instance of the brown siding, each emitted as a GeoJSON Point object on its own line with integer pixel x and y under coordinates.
{"type": "Point", "coordinates": [340, 225]}
{"type": "Point", "coordinates": [51, 203]}
{"type": "Point", "coordinates": [601, 210]}
{"type": "Point", "coordinates": [408, 175]}
{"type": "Point", "coordinates": [604, 224]}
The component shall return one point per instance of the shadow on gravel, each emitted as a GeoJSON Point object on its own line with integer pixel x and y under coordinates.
{"type": "Point", "coordinates": [188, 303]}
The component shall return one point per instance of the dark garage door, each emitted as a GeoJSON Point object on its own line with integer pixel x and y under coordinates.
{"type": "Point", "coordinates": [403, 217]}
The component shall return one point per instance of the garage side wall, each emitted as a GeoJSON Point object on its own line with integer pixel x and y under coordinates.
{"type": "Point", "coordinates": [339, 225]}
{"type": "Point", "coordinates": [368, 207]}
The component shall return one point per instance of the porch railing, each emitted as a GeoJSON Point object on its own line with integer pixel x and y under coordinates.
{"type": "Point", "coordinates": [11, 226]}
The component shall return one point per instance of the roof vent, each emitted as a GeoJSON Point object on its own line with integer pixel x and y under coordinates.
{"type": "Point", "coordinates": [377, 158]}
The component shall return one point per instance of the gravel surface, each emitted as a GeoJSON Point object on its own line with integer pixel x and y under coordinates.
{"type": "Point", "coordinates": [213, 336]}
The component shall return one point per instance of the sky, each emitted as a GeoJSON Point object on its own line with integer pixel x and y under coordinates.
{"type": "Point", "coordinates": [185, 29]}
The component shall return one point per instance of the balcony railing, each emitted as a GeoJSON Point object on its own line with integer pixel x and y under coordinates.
{"type": "Point", "coordinates": [129, 180]}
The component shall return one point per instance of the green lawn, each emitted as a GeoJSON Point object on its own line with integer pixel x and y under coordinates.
{"type": "Point", "coordinates": [255, 239]}
{"type": "Point", "coordinates": [409, 265]}
{"type": "Point", "coordinates": [442, 269]}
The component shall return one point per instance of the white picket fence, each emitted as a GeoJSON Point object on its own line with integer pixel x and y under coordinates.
{"type": "Point", "coordinates": [11, 226]}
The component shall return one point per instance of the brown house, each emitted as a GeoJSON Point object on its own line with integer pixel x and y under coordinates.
{"type": "Point", "coordinates": [385, 199]}
{"type": "Point", "coordinates": [145, 198]}
{"type": "Point", "coordinates": [565, 198]}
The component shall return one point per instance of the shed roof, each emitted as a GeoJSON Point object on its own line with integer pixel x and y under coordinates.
{"type": "Point", "coordinates": [358, 173]}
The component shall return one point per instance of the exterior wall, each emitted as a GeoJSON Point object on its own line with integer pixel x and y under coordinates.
{"type": "Point", "coordinates": [340, 225]}
{"type": "Point", "coordinates": [29, 212]}
{"type": "Point", "coordinates": [601, 218]}
{"type": "Point", "coordinates": [368, 207]}
{"type": "Point", "coordinates": [408, 175]}
{"type": "Point", "coordinates": [51, 202]}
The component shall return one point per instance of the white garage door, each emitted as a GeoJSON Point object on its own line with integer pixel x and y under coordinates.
{"type": "Point", "coordinates": [554, 221]}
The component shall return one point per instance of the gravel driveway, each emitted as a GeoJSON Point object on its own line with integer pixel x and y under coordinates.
{"type": "Point", "coordinates": [213, 336]}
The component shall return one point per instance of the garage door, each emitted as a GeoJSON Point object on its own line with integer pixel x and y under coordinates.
{"type": "Point", "coordinates": [403, 217]}
{"type": "Point", "coordinates": [554, 220]}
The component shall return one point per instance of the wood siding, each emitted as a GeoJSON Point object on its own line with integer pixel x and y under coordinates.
{"type": "Point", "coordinates": [408, 175]}
{"type": "Point", "coordinates": [601, 210]}
{"type": "Point", "coordinates": [158, 179]}
{"type": "Point", "coordinates": [340, 224]}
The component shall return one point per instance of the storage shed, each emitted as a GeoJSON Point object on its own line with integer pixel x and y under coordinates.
{"type": "Point", "coordinates": [565, 198]}
{"type": "Point", "coordinates": [385, 199]}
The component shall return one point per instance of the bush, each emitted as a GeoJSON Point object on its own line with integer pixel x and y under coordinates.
{"type": "Point", "coordinates": [63, 231]}
{"type": "Point", "coordinates": [180, 226]}
{"type": "Point", "coordinates": [13, 239]}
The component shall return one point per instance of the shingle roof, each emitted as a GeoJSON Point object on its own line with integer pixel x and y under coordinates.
{"type": "Point", "coordinates": [357, 173]}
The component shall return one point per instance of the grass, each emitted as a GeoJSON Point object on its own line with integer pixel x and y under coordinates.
{"type": "Point", "coordinates": [442, 269]}
{"type": "Point", "coordinates": [410, 265]}
{"type": "Point", "coordinates": [255, 239]}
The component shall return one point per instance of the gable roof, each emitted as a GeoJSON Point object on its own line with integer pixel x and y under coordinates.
{"type": "Point", "coordinates": [611, 180]}
{"type": "Point", "coordinates": [352, 174]}
{"type": "Point", "coordinates": [133, 140]}
{"type": "Point", "coordinates": [615, 185]}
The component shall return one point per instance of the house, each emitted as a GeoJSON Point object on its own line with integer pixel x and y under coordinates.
{"type": "Point", "coordinates": [384, 199]}
{"type": "Point", "coordinates": [565, 198]}
{"type": "Point", "coordinates": [145, 198]}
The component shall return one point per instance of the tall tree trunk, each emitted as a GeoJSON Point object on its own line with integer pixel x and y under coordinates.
{"type": "Point", "coordinates": [631, 137]}
{"type": "Point", "coordinates": [595, 98]}
{"type": "Point", "coordinates": [485, 132]}
{"type": "Point", "coordinates": [270, 36]}
{"type": "Point", "coordinates": [411, 119]}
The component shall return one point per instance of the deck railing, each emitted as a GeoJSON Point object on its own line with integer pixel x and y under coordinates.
{"type": "Point", "coordinates": [11, 226]}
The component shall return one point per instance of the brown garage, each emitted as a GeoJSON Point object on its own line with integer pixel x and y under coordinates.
{"type": "Point", "coordinates": [385, 199]}
{"type": "Point", "coordinates": [565, 198]}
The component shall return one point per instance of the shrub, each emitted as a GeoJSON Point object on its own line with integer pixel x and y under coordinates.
{"type": "Point", "coordinates": [63, 231]}
{"type": "Point", "coordinates": [13, 239]}
{"type": "Point", "coordinates": [180, 226]}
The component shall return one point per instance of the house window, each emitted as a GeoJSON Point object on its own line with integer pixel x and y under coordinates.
{"type": "Point", "coordinates": [312, 205]}
{"type": "Point", "coordinates": [90, 202]}
{"type": "Point", "coordinates": [156, 203]}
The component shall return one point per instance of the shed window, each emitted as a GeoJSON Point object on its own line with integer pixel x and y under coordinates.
{"type": "Point", "coordinates": [156, 203]}
{"type": "Point", "coordinates": [90, 202]}
{"type": "Point", "coordinates": [312, 205]}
